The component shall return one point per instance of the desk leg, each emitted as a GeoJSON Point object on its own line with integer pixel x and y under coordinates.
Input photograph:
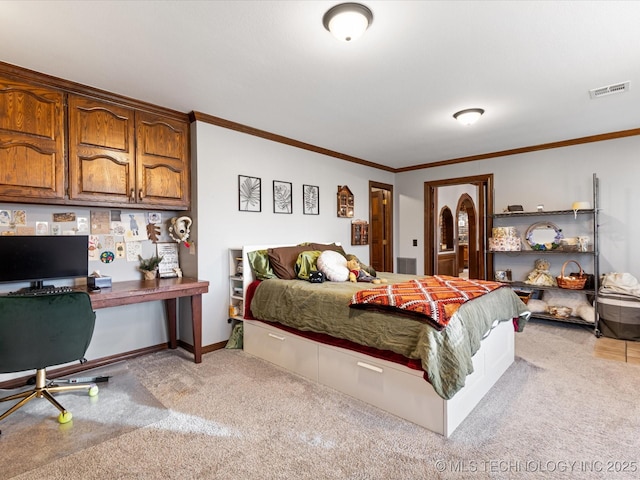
{"type": "Point", "coordinates": [196, 319]}
{"type": "Point", "coordinates": [171, 305]}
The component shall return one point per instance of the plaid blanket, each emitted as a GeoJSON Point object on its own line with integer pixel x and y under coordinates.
{"type": "Point", "coordinates": [432, 300]}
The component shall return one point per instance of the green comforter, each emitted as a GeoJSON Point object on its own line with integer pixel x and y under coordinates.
{"type": "Point", "coordinates": [445, 356]}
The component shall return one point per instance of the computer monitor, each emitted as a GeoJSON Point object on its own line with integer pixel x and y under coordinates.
{"type": "Point", "coordinates": [39, 258]}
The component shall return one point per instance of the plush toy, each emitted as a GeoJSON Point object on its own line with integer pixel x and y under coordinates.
{"type": "Point", "coordinates": [358, 274]}
{"type": "Point", "coordinates": [540, 274]}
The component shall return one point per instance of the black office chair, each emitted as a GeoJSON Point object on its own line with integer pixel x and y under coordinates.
{"type": "Point", "coordinates": [39, 331]}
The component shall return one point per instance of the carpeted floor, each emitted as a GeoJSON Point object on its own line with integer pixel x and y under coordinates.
{"type": "Point", "coordinates": [558, 412]}
{"type": "Point", "coordinates": [32, 437]}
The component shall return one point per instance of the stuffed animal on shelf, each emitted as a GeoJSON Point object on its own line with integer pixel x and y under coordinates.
{"type": "Point", "coordinates": [540, 275]}
{"type": "Point", "coordinates": [358, 274]}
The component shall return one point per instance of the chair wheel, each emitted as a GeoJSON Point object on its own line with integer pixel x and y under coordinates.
{"type": "Point", "coordinates": [93, 391]}
{"type": "Point", "coordinates": [65, 417]}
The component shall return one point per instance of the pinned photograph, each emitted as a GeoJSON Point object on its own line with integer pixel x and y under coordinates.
{"type": "Point", "coordinates": [5, 217]}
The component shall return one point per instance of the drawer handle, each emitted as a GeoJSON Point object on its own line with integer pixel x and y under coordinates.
{"type": "Point", "coordinates": [277, 337]}
{"type": "Point", "coordinates": [370, 367]}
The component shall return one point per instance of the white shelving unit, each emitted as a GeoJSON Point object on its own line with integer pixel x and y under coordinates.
{"type": "Point", "coordinates": [236, 292]}
{"type": "Point", "coordinates": [580, 222]}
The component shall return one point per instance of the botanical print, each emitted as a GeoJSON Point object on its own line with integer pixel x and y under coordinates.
{"type": "Point", "coordinates": [282, 197]}
{"type": "Point", "coordinates": [249, 194]}
{"type": "Point", "coordinates": [310, 200]}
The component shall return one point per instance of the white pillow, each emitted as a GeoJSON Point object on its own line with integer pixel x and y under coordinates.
{"type": "Point", "coordinates": [333, 265]}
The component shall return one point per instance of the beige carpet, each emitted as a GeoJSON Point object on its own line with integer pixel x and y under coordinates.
{"type": "Point", "coordinates": [32, 437]}
{"type": "Point", "coordinates": [558, 412]}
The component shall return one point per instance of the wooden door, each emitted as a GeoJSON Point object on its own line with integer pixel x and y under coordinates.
{"type": "Point", "coordinates": [31, 142]}
{"type": "Point", "coordinates": [162, 158]}
{"type": "Point", "coordinates": [101, 151]}
{"type": "Point", "coordinates": [381, 227]}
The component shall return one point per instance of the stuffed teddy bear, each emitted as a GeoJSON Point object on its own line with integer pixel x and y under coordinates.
{"type": "Point", "coordinates": [358, 274]}
{"type": "Point", "coordinates": [540, 274]}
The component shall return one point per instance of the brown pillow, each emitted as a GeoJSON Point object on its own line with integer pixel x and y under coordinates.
{"type": "Point", "coordinates": [328, 246]}
{"type": "Point", "coordinates": [283, 260]}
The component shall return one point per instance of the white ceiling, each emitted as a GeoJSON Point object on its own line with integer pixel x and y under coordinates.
{"type": "Point", "coordinates": [387, 98]}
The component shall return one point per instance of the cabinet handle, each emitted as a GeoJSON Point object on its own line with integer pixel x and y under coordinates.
{"type": "Point", "coordinates": [277, 337]}
{"type": "Point", "coordinates": [132, 195]}
{"type": "Point", "coordinates": [140, 194]}
{"type": "Point", "coordinates": [370, 367]}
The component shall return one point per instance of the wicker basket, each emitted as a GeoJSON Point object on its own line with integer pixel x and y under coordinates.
{"type": "Point", "coordinates": [574, 281]}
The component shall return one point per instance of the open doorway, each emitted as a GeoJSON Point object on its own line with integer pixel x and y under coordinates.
{"type": "Point", "coordinates": [446, 262]}
{"type": "Point", "coordinates": [381, 226]}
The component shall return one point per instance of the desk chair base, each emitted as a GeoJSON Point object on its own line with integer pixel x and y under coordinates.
{"type": "Point", "coordinates": [43, 389]}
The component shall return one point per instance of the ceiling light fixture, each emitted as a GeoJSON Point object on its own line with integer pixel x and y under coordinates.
{"type": "Point", "coordinates": [347, 21]}
{"type": "Point", "coordinates": [468, 116]}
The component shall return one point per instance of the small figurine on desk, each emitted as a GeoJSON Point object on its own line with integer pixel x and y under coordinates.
{"type": "Point", "coordinates": [178, 272]}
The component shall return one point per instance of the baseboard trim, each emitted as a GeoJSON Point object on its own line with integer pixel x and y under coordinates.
{"type": "Point", "coordinates": [101, 362]}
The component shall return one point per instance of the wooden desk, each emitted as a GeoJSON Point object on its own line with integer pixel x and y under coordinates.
{"type": "Point", "coordinates": [167, 289]}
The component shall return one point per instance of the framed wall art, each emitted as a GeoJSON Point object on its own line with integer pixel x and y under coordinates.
{"type": "Point", "coordinates": [249, 194]}
{"type": "Point", "coordinates": [310, 200]}
{"type": "Point", "coordinates": [282, 202]}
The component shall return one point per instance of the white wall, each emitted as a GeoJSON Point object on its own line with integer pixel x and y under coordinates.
{"type": "Point", "coordinates": [223, 154]}
{"type": "Point", "coordinates": [555, 178]}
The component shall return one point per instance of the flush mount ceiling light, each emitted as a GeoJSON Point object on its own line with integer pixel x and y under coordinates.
{"type": "Point", "coordinates": [468, 116]}
{"type": "Point", "coordinates": [347, 21]}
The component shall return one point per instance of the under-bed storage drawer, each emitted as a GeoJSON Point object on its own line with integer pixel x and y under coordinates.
{"type": "Point", "coordinates": [294, 353]}
{"type": "Point", "coordinates": [382, 384]}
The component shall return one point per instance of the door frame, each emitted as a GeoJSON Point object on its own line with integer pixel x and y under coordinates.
{"type": "Point", "coordinates": [484, 206]}
{"type": "Point", "coordinates": [388, 228]}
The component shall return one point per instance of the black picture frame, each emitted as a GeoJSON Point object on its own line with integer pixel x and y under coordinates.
{"type": "Point", "coordinates": [282, 198]}
{"type": "Point", "coordinates": [310, 200]}
{"type": "Point", "coordinates": [249, 194]}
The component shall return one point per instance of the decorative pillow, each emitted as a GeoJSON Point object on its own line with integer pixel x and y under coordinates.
{"type": "Point", "coordinates": [306, 263]}
{"type": "Point", "coordinates": [562, 298]}
{"type": "Point", "coordinates": [367, 268]}
{"type": "Point", "coordinates": [333, 265]}
{"type": "Point", "coordinates": [283, 260]}
{"type": "Point", "coordinates": [259, 261]}
{"type": "Point", "coordinates": [328, 246]}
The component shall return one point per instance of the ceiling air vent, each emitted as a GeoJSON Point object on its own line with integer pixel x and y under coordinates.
{"type": "Point", "coordinates": [609, 90]}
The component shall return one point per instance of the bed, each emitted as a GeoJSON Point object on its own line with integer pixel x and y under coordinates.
{"type": "Point", "coordinates": [430, 376]}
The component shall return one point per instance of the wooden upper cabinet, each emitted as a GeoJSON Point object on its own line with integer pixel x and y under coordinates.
{"type": "Point", "coordinates": [32, 163]}
{"type": "Point", "coordinates": [162, 160]}
{"type": "Point", "coordinates": [101, 151]}
{"type": "Point", "coordinates": [118, 155]}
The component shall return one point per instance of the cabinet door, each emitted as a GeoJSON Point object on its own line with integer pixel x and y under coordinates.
{"type": "Point", "coordinates": [31, 142]}
{"type": "Point", "coordinates": [101, 151]}
{"type": "Point", "coordinates": [162, 158]}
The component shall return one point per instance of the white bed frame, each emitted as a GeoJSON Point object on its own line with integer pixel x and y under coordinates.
{"type": "Point", "coordinates": [394, 388]}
